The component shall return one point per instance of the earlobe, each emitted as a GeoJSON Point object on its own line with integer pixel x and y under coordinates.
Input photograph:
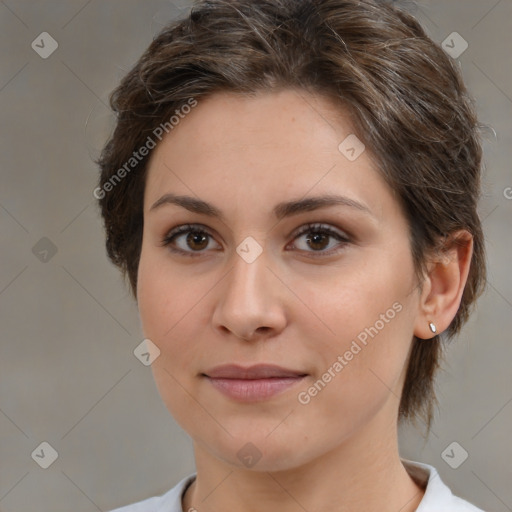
{"type": "Point", "coordinates": [443, 287]}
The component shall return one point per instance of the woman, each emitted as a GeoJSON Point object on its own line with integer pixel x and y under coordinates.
{"type": "Point", "coordinates": [291, 189]}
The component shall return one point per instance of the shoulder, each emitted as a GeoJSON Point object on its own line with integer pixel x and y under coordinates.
{"type": "Point", "coordinates": [438, 496]}
{"type": "Point", "coordinates": [168, 502]}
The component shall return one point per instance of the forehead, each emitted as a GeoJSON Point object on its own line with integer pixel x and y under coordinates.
{"type": "Point", "coordinates": [227, 120]}
{"type": "Point", "coordinates": [254, 150]}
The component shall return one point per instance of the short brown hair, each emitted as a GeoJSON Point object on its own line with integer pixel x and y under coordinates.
{"type": "Point", "coordinates": [405, 96]}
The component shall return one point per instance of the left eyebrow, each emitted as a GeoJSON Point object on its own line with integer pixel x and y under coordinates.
{"type": "Point", "coordinates": [288, 208]}
{"type": "Point", "coordinates": [281, 210]}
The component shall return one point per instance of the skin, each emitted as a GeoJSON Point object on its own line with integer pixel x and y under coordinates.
{"type": "Point", "coordinates": [244, 155]}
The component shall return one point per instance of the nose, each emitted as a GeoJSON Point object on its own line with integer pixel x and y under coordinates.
{"type": "Point", "coordinates": [250, 301]}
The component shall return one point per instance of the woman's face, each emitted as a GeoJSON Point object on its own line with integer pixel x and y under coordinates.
{"type": "Point", "coordinates": [335, 305]}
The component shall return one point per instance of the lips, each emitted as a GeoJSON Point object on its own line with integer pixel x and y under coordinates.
{"type": "Point", "coordinates": [260, 371]}
{"type": "Point", "coordinates": [252, 384]}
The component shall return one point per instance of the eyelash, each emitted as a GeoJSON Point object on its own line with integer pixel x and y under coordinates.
{"type": "Point", "coordinates": [314, 228]}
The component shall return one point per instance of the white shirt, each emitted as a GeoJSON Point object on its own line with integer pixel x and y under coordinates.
{"type": "Point", "coordinates": [437, 497]}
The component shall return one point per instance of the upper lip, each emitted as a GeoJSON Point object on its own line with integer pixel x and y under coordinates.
{"type": "Point", "coordinates": [259, 371]}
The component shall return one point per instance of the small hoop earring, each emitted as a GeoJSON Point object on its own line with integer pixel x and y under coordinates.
{"type": "Point", "coordinates": [433, 328]}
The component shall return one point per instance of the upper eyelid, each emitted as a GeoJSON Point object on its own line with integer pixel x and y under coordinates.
{"type": "Point", "coordinates": [310, 226]}
{"type": "Point", "coordinates": [300, 230]}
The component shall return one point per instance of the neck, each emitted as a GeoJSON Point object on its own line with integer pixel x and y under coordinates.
{"type": "Point", "coordinates": [364, 473]}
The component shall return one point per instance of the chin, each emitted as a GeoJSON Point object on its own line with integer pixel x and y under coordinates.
{"type": "Point", "coordinates": [260, 452]}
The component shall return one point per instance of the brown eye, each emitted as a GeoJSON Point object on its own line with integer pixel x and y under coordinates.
{"type": "Point", "coordinates": [189, 240]}
{"type": "Point", "coordinates": [196, 240]}
{"type": "Point", "coordinates": [319, 239]}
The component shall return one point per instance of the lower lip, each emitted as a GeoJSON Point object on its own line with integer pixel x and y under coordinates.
{"type": "Point", "coordinates": [253, 390]}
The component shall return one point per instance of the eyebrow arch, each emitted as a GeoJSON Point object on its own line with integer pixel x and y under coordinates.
{"type": "Point", "coordinates": [281, 210]}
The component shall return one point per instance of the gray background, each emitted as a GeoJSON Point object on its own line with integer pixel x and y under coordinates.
{"type": "Point", "coordinates": [68, 375]}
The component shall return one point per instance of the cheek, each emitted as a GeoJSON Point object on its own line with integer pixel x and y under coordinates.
{"type": "Point", "coordinates": [165, 305]}
{"type": "Point", "coordinates": [164, 296]}
{"type": "Point", "coordinates": [164, 302]}
{"type": "Point", "coordinates": [355, 300]}
{"type": "Point", "coordinates": [360, 376]}
{"type": "Point", "coordinates": [366, 321]}
{"type": "Point", "coordinates": [171, 307]}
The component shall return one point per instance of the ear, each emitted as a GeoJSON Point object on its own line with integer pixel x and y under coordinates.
{"type": "Point", "coordinates": [444, 284]}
